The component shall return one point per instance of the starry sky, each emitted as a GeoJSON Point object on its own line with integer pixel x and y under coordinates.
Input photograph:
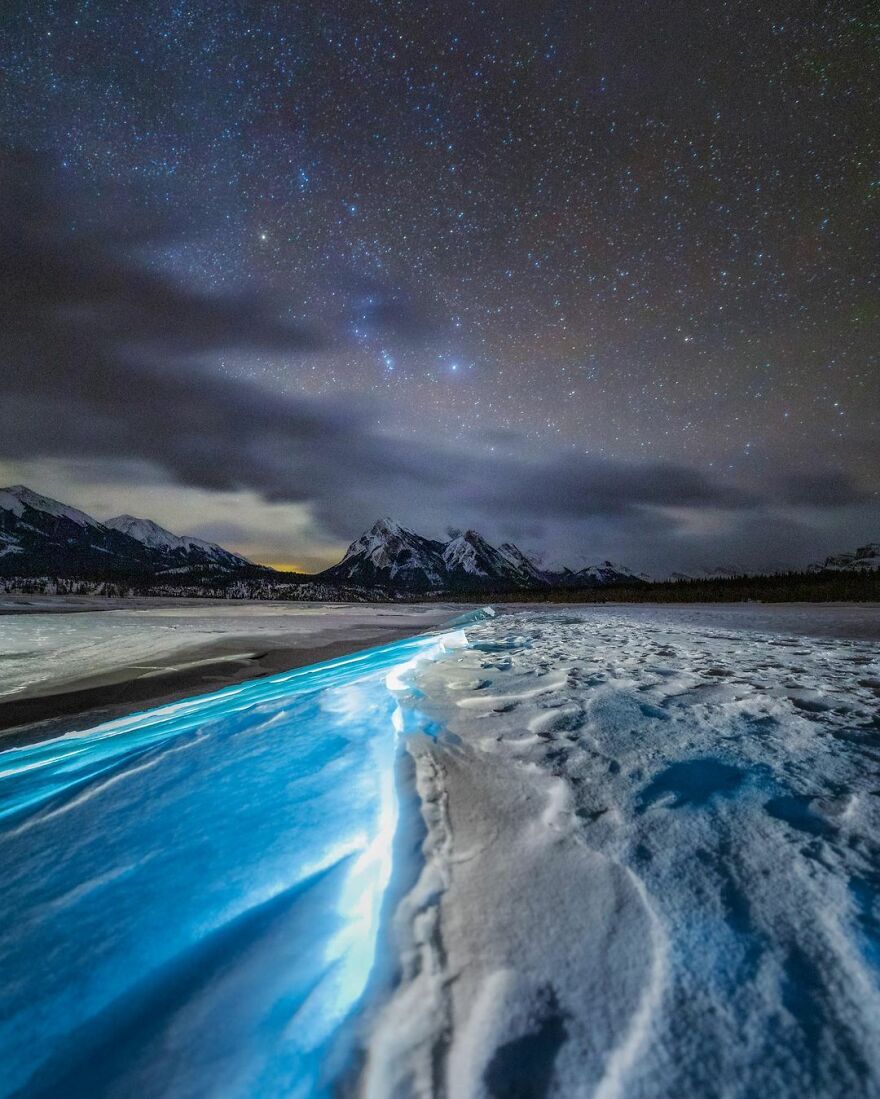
{"type": "Point", "coordinates": [599, 278]}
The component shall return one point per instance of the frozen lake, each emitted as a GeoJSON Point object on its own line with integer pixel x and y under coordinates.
{"type": "Point", "coordinates": [191, 896]}
{"type": "Point", "coordinates": [636, 855]}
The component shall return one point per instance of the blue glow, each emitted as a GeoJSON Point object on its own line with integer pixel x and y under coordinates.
{"type": "Point", "coordinates": [191, 895]}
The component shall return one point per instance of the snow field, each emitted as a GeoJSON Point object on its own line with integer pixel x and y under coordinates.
{"type": "Point", "coordinates": [651, 865]}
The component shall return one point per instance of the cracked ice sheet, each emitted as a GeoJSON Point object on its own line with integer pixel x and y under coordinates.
{"type": "Point", "coordinates": [651, 862]}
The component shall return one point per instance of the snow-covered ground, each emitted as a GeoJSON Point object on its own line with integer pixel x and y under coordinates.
{"type": "Point", "coordinates": [651, 861]}
{"type": "Point", "coordinates": [46, 653]}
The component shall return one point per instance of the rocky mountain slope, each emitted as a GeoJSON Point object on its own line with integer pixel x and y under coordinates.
{"type": "Point", "coordinates": [863, 559]}
{"type": "Point", "coordinates": [183, 550]}
{"type": "Point", "coordinates": [40, 536]}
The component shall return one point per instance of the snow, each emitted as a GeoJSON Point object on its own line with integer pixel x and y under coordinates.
{"type": "Point", "coordinates": [605, 572]}
{"type": "Point", "coordinates": [471, 554]}
{"type": "Point", "coordinates": [705, 572]}
{"type": "Point", "coordinates": [46, 653]}
{"type": "Point", "coordinates": [387, 546]}
{"type": "Point", "coordinates": [462, 553]}
{"type": "Point", "coordinates": [16, 497]}
{"type": "Point", "coordinates": [650, 861]}
{"type": "Point", "coordinates": [212, 921]}
{"type": "Point", "coordinates": [155, 537]}
{"type": "Point", "coordinates": [376, 544]}
{"type": "Point", "coordinates": [865, 557]}
{"type": "Point", "coordinates": [9, 544]}
{"type": "Point", "coordinates": [515, 557]}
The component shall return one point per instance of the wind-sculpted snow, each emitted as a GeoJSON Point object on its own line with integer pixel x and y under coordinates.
{"type": "Point", "coordinates": [191, 896]}
{"type": "Point", "coordinates": [650, 868]}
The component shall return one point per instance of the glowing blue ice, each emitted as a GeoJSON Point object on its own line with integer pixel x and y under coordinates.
{"type": "Point", "coordinates": [191, 896]}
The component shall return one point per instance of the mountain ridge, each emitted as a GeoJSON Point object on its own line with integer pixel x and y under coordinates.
{"type": "Point", "coordinates": [42, 537]}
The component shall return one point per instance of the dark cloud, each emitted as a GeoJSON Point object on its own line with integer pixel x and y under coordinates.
{"type": "Point", "coordinates": [102, 357]}
{"type": "Point", "coordinates": [568, 486]}
{"type": "Point", "coordinates": [822, 488]}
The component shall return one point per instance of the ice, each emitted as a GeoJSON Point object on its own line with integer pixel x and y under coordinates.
{"type": "Point", "coordinates": [650, 867]}
{"type": "Point", "coordinates": [191, 896]}
{"type": "Point", "coordinates": [44, 653]}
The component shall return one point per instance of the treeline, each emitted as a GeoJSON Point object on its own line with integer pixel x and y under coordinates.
{"type": "Point", "coordinates": [215, 587]}
{"type": "Point", "coordinates": [789, 587]}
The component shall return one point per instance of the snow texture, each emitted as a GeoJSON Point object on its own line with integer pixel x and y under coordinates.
{"type": "Point", "coordinates": [646, 868]}
{"type": "Point", "coordinates": [650, 866]}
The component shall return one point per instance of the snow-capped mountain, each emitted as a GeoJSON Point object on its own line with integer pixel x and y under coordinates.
{"type": "Point", "coordinates": [471, 561]}
{"type": "Point", "coordinates": [522, 562]}
{"type": "Point", "coordinates": [180, 549]}
{"type": "Point", "coordinates": [715, 572]}
{"type": "Point", "coordinates": [392, 556]}
{"type": "Point", "coordinates": [863, 559]}
{"type": "Point", "coordinates": [19, 500]}
{"type": "Point", "coordinates": [598, 576]}
{"type": "Point", "coordinates": [40, 536]}
{"type": "Point", "coordinates": [401, 560]}
{"type": "Point", "coordinates": [592, 576]}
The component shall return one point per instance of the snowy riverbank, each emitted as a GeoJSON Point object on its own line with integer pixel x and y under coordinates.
{"type": "Point", "coordinates": [650, 867]}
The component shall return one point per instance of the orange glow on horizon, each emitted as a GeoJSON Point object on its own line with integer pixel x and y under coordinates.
{"type": "Point", "coordinates": [285, 566]}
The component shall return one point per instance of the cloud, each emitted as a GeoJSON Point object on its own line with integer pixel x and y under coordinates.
{"type": "Point", "coordinates": [821, 488]}
{"type": "Point", "coordinates": [107, 358]}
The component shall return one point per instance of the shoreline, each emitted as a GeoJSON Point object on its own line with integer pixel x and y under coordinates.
{"type": "Point", "coordinates": [46, 710]}
{"type": "Point", "coordinates": [45, 716]}
{"type": "Point", "coordinates": [206, 666]}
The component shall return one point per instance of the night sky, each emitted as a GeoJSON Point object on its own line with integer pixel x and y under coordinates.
{"type": "Point", "coordinates": [597, 277]}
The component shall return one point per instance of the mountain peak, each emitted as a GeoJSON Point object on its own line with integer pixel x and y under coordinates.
{"type": "Point", "coordinates": [865, 557]}
{"type": "Point", "coordinates": [16, 498]}
{"type": "Point", "coordinates": [389, 554]}
{"type": "Point", "coordinates": [521, 561]}
{"type": "Point", "coordinates": [146, 531]}
{"type": "Point", "coordinates": [156, 537]}
{"type": "Point", "coordinates": [387, 526]}
{"type": "Point", "coordinates": [469, 556]}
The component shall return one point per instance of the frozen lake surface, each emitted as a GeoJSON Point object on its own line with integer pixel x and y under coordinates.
{"type": "Point", "coordinates": [642, 862]}
{"type": "Point", "coordinates": [191, 896]}
{"type": "Point", "coordinates": [97, 640]}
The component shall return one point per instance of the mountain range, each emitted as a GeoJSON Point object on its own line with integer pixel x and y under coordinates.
{"type": "Point", "coordinates": [43, 538]}
{"type": "Point", "coordinates": [40, 536]}
{"type": "Point", "coordinates": [864, 559]}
